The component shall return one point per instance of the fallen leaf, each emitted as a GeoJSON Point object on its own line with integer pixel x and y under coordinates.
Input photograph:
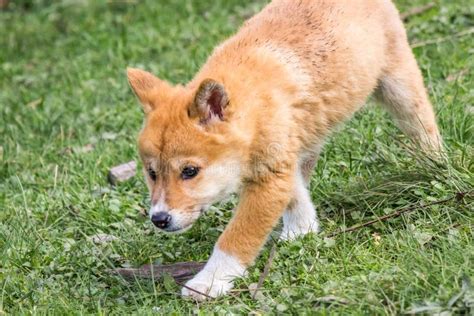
{"type": "Point", "coordinates": [34, 104]}
{"type": "Point", "coordinates": [377, 238]}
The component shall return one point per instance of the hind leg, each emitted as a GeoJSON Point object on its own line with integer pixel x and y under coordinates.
{"type": "Point", "coordinates": [403, 94]}
{"type": "Point", "coordinates": [300, 216]}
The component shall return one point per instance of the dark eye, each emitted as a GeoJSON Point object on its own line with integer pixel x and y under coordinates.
{"type": "Point", "coordinates": [152, 174]}
{"type": "Point", "coordinates": [189, 172]}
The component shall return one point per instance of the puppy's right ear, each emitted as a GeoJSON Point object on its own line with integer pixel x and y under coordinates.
{"type": "Point", "coordinates": [210, 102]}
{"type": "Point", "coordinates": [146, 86]}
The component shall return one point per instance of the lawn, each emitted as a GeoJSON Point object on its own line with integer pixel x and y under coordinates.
{"type": "Point", "coordinates": [67, 115]}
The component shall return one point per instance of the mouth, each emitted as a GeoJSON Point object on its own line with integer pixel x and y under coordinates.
{"type": "Point", "coordinates": [181, 227]}
{"type": "Point", "coordinates": [176, 229]}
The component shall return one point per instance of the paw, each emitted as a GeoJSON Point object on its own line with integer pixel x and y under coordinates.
{"type": "Point", "coordinates": [294, 231]}
{"type": "Point", "coordinates": [205, 289]}
{"type": "Point", "coordinates": [216, 278]}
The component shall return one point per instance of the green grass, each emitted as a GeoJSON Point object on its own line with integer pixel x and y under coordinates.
{"type": "Point", "coordinates": [63, 86]}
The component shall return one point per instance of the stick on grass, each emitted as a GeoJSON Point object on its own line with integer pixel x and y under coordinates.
{"type": "Point", "coordinates": [443, 39]}
{"type": "Point", "coordinates": [181, 271]}
{"type": "Point", "coordinates": [417, 10]}
{"type": "Point", "coordinates": [266, 269]}
{"type": "Point", "coordinates": [458, 196]}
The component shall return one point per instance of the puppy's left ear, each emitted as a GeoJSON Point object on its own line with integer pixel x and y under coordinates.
{"type": "Point", "coordinates": [210, 102]}
{"type": "Point", "coordinates": [147, 87]}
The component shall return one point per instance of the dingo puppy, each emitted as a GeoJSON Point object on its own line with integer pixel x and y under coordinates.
{"type": "Point", "coordinates": [253, 120]}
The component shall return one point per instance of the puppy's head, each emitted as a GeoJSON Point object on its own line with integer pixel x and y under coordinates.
{"type": "Point", "coordinates": [190, 157]}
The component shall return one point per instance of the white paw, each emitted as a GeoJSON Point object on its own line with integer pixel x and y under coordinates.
{"type": "Point", "coordinates": [201, 290]}
{"type": "Point", "coordinates": [291, 232]}
{"type": "Point", "coordinates": [216, 278]}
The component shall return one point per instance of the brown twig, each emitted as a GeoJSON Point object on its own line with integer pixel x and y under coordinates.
{"type": "Point", "coordinates": [458, 197]}
{"type": "Point", "coordinates": [417, 10]}
{"type": "Point", "coordinates": [266, 269]}
{"type": "Point", "coordinates": [180, 271]}
{"type": "Point", "coordinates": [443, 39]}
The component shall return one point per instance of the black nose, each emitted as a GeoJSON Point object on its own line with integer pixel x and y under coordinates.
{"type": "Point", "coordinates": [161, 219]}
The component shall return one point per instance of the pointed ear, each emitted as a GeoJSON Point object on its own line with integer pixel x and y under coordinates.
{"type": "Point", "coordinates": [145, 85]}
{"type": "Point", "coordinates": [210, 102]}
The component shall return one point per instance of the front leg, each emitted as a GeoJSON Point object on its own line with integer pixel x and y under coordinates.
{"type": "Point", "coordinates": [300, 216]}
{"type": "Point", "coordinates": [261, 205]}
